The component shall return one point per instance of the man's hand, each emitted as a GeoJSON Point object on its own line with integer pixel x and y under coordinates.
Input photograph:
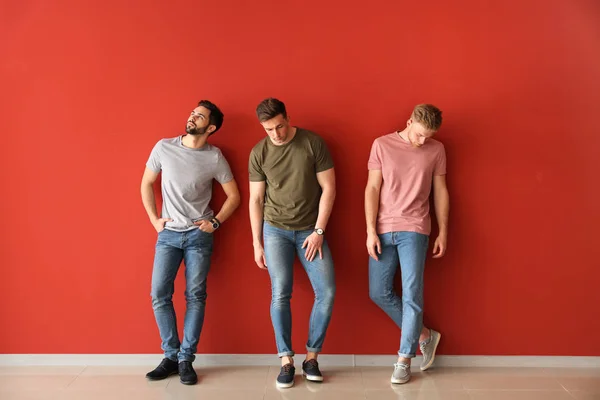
{"type": "Point", "coordinates": [259, 257]}
{"type": "Point", "coordinates": [439, 248]}
{"type": "Point", "coordinates": [205, 226]}
{"type": "Point", "coordinates": [159, 224]}
{"type": "Point", "coordinates": [313, 244]}
{"type": "Point", "coordinates": [373, 245]}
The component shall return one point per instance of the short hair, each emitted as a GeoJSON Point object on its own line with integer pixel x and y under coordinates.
{"type": "Point", "coordinates": [216, 116]}
{"type": "Point", "coordinates": [270, 108]}
{"type": "Point", "coordinates": [428, 115]}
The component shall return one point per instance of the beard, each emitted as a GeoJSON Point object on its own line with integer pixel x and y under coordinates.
{"type": "Point", "coordinates": [192, 129]}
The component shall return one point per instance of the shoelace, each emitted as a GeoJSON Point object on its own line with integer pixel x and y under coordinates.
{"type": "Point", "coordinates": [311, 363]}
{"type": "Point", "coordinates": [403, 366]}
{"type": "Point", "coordinates": [424, 344]}
{"type": "Point", "coordinates": [287, 368]}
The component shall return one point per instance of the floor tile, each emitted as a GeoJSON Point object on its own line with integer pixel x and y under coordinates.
{"type": "Point", "coordinates": [110, 382]}
{"type": "Point", "coordinates": [296, 394]}
{"type": "Point", "coordinates": [586, 383]}
{"type": "Point", "coordinates": [38, 394]}
{"type": "Point", "coordinates": [115, 393]}
{"type": "Point", "coordinates": [232, 377]}
{"type": "Point", "coordinates": [179, 391]}
{"type": "Point", "coordinates": [506, 379]}
{"type": "Point", "coordinates": [573, 372]}
{"type": "Point", "coordinates": [395, 394]}
{"type": "Point", "coordinates": [585, 395]}
{"type": "Point", "coordinates": [520, 395]}
{"type": "Point", "coordinates": [35, 382]}
{"type": "Point", "coordinates": [42, 370]}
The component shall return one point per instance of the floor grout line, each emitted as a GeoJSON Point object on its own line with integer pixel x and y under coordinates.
{"type": "Point", "coordinates": [78, 375]}
{"type": "Point", "coordinates": [266, 382]}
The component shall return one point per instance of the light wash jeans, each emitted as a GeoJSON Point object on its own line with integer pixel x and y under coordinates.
{"type": "Point", "coordinates": [281, 246]}
{"type": "Point", "coordinates": [409, 249]}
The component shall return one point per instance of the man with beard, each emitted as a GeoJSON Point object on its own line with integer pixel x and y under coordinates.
{"type": "Point", "coordinates": [185, 231]}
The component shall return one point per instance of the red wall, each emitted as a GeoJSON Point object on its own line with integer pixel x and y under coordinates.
{"type": "Point", "coordinates": [89, 87]}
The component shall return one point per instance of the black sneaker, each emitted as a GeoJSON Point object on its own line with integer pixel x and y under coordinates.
{"type": "Point", "coordinates": [187, 375]}
{"type": "Point", "coordinates": [310, 369]}
{"type": "Point", "coordinates": [286, 376]}
{"type": "Point", "coordinates": [166, 368]}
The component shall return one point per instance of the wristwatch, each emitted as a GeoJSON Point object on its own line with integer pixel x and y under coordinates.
{"type": "Point", "coordinates": [215, 223]}
{"type": "Point", "coordinates": [319, 231]}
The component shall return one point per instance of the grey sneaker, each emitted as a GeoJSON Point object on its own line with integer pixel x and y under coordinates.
{"type": "Point", "coordinates": [401, 373]}
{"type": "Point", "coordinates": [428, 348]}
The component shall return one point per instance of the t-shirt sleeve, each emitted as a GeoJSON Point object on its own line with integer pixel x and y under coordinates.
{"type": "Point", "coordinates": [154, 162]}
{"type": "Point", "coordinates": [255, 168]}
{"type": "Point", "coordinates": [222, 171]}
{"type": "Point", "coordinates": [375, 157]}
{"type": "Point", "coordinates": [440, 165]}
{"type": "Point", "coordinates": [323, 160]}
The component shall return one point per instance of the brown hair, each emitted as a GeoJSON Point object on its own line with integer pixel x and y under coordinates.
{"type": "Point", "coordinates": [270, 108]}
{"type": "Point", "coordinates": [428, 115]}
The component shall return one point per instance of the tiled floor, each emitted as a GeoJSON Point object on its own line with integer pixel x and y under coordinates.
{"type": "Point", "coordinates": [347, 383]}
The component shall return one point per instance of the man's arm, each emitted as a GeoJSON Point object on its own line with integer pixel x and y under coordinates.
{"type": "Point", "coordinates": [314, 242]}
{"type": "Point", "coordinates": [256, 204]}
{"type": "Point", "coordinates": [147, 191]}
{"type": "Point", "coordinates": [372, 192]}
{"type": "Point", "coordinates": [441, 201]}
{"type": "Point", "coordinates": [326, 180]}
{"type": "Point", "coordinates": [233, 200]}
{"type": "Point", "coordinates": [231, 203]}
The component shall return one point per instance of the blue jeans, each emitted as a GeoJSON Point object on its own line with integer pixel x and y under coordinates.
{"type": "Point", "coordinates": [194, 247]}
{"type": "Point", "coordinates": [281, 246]}
{"type": "Point", "coordinates": [409, 249]}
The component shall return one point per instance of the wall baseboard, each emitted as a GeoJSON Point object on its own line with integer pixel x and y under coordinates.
{"type": "Point", "coordinates": [270, 359]}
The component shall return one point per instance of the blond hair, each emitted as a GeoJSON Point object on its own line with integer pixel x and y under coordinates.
{"type": "Point", "coordinates": [428, 115]}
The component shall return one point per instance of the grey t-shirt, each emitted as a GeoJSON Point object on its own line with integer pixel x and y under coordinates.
{"type": "Point", "coordinates": [187, 176]}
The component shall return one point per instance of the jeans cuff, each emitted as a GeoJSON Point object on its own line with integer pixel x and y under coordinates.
{"type": "Point", "coordinates": [403, 355]}
{"type": "Point", "coordinates": [286, 354]}
{"type": "Point", "coordinates": [313, 349]}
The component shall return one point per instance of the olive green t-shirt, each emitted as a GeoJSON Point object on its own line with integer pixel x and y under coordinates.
{"type": "Point", "coordinates": [290, 171]}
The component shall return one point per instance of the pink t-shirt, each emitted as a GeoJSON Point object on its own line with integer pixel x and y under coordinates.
{"type": "Point", "coordinates": [407, 178]}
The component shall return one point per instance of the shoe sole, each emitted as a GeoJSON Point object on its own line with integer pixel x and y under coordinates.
{"type": "Point", "coordinates": [399, 381]}
{"type": "Point", "coordinates": [313, 378]}
{"type": "Point", "coordinates": [160, 379]}
{"type": "Point", "coordinates": [284, 385]}
{"type": "Point", "coordinates": [435, 345]}
{"type": "Point", "coordinates": [189, 382]}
